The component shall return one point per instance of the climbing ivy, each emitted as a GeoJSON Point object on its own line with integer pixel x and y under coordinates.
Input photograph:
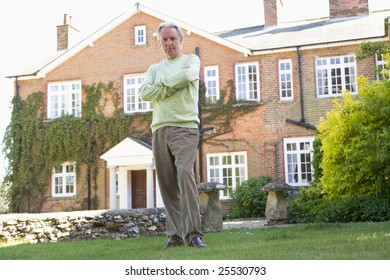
{"type": "Point", "coordinates": [34, 145]}
{"type": "Point", "coordinates": [222, 112]}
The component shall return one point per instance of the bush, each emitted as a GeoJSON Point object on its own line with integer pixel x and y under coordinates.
{"type": "Point", "coordinates": [340, 210]}
{"type": "Point", "coordinates": [248, 200]}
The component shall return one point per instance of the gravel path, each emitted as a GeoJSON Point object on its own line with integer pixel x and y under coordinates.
{"type": "Point", "coordinates": [244, 224]}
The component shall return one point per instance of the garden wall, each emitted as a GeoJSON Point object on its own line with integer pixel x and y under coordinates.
{"type": "Point", "coordinates": [103, 224]}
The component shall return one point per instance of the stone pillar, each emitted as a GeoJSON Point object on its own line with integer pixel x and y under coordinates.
{"type": "Point", "coordinates": [112, 187]}
{"type": "Point", "coordinates": [276, 208]}
{"type": "Point", "coordinates": [124, 194]}
{"type": "Point", "coordinates": [149, 187]}
{"type": "Point", "coordinates": [210, 206]}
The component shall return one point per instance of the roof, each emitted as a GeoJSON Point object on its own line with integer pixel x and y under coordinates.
{"type": "Point", "coordinates": [130, 151]}
{"type": "Point", "coordinates": [39, 71]}
{"type": "Point", "coordinates": [248, 41]}
{"type": "Point", "coordinates": [310, 33]}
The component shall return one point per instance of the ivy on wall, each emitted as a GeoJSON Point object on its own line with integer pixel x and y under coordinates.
{"type": "Point", "coordinates": [33, 145]}
{"type": "Point", "coordinates": [224, 111]}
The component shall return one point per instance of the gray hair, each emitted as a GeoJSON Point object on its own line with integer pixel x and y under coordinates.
{"type": "Point", "coordinates": [169, 25]}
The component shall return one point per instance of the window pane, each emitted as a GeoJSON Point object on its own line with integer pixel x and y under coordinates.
{"type": "Point", "coordinates": [228, 169]}
{"type": "Point", "coordinates": [298, 168]}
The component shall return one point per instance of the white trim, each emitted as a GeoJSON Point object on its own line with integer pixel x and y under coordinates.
{"type": "Point", "coordinates": [137, 35]}
{"type": "Point", "coordinates": [131, 95]}
{"type": "Point", "coordinates": [63, 176]}
{"type": "Point", "coordinates": [324, 64]}
{"type": "Point", "coordinates": [60, 98]}
{"type": "Point", "coordinates": [285, 72]}
{"type": "Point", "coordinates": [297, 152]}
{"type": "Point", "coordinates": [219, 169]}
{"type": "Point", "coordinates": [215, 79]}
{"type": "Point", "coordinates": [246, 82]}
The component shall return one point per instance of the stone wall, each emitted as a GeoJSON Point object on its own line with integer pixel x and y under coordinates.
{"type": "Point", "coordinates": [103, 224]}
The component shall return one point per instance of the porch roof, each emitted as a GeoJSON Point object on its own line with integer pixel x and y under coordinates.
{"type": "Point", "coordinates": [129, 152]}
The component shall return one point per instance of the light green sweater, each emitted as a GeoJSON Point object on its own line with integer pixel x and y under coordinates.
{"type": "Point", "coordinates": [173, 87]}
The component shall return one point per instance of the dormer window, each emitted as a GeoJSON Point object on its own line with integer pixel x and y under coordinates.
{"type": "Point", "coordinates": [140, 35]}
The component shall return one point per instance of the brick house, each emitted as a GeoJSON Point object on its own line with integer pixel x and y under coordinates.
{"type": "Point", "coordinates": [282, 76]}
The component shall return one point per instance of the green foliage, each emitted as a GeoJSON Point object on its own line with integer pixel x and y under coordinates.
{"type": "Point", "coordinates": [339, 210]}
{"type": "Point", "coordinates": [33, 145]}
{"type": "Point", "coordinates": [222, 112]}
{"type": "Point", "coordinates": [369, 49]}
{"type": "Point", "coordinates": [317, 158]}
{"type": "Point", "coordinates": [248, 199]}
{"type": "Point", "coordinates": [355, 140]}
{"type": "Point", "coordinates": [350, 241]}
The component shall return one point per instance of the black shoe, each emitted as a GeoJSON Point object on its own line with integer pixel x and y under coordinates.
{"type": "Point", "coordinates": [172, 245]}
{"type": "Point", "coordinates": [197, 243]}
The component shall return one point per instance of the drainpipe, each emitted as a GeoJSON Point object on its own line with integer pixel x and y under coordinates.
{"type": "Point", "coordinates": [302, 121]}
{"type": "Point", "coordinates": [301, 86]}
{"type": "Point", "coordinates": [16, 87]}
{"type": "Point", "coordinates": [200, 131]}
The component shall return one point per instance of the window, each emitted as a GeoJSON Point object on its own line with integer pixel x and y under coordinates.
{"type": "Point", "coordinates": [229, 169]}
{"type": "Point", "coordinates": [132, 100]}
{"type": "Point", "coordinates": [64, 98]}
{"type": "Point", "coordinates": [64, 180]}
{"type": "Point", "coordinates": [211, 77]}
{"type": "Point", "coordinates": [381, 68]}
{"type": "Point", "coordinates": [140, 35]}
{"type": "Point", "coordinates": [285, 80]}
{"type": "Point", "coordinates": [247, 82]}
{"type": "Point", "coordinates": [298, 155]}
{"type": "Point", "coordinates": [334, 75]}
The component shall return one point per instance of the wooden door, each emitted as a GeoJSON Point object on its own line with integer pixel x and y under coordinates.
{"type": "Point", "coordinates": [138, 188]}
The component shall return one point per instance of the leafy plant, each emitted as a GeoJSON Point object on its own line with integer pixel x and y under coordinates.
{"type": "Point", "coordinates": [340, 210]}
{"type": "Point", "coordinates": [34, 145]}
{"type": "Point", "coordinates": [248, 199]}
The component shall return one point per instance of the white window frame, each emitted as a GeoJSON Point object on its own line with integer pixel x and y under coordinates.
{"type": "Point", "coordinates": [298, 170]}
{"type": "Point", "coordinates": [140, 35]}
{"type": "Point", "coordinates": [132, 102]}
{"type": "Point", "coordinates": [285, 80]}
{"type": "Point", "coordinates": [64, 98]}
{"type": "Point", "coordinates": [344, 71]}
{"type": "Point", "coordinates": [247, 86]}
{"type": "Point", "coordinates": [64, 180]}
{"type": "Point", "coordinates": [380, 66]}
{"type": "Point", "coordinates": [229, 173]}
{"type": "Point", "coordinates": [211, 80]}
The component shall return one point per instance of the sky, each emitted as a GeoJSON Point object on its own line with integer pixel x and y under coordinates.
{"type": "Point", "coordinates": [28, 28]}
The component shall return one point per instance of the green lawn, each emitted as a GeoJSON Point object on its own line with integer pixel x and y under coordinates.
{"type": "Point", "coordinates": [354, 241]}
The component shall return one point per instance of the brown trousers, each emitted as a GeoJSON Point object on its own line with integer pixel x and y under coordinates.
{"type": "Point", "coordinates": [174, 151]}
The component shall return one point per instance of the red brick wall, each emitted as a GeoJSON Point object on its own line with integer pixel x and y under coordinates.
{"type": "Point", "coordinates": [270, 13]}
{"type": "Point", "coordinates": [260, 133]}
{"type": "Point", "coordinates": [345, 8]}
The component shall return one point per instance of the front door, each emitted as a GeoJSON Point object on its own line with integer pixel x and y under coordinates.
{"type": "Point", "coordinates": [138, 188]}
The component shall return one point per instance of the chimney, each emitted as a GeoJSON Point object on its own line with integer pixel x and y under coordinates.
{"type": "Point", "coordinates": [64, 33]}
{"type": "Point", "coordinates": [348, 8]}
{"type": "Point", "coordinates": [270, 12]}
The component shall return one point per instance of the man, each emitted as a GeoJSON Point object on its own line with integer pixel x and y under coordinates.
{"type": "Point", "coordinates": [173, 86]}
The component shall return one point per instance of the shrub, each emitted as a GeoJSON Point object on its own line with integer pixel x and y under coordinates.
{"type": "Point", "coordinates": [248, 200]}
{"type": "Point", "coordinates": [340, 210]}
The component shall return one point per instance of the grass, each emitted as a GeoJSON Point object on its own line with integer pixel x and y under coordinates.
{"type": "Point", "coordinates": [352, 241]}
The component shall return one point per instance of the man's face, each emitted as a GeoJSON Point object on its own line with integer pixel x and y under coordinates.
{"type": "Point", "coordinates": [170, 42]}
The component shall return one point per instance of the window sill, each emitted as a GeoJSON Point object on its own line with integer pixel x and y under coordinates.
{"type": "Point", "coordinates": [140, 45]}
{"type": "Point", "coordinates": [63, 197]}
